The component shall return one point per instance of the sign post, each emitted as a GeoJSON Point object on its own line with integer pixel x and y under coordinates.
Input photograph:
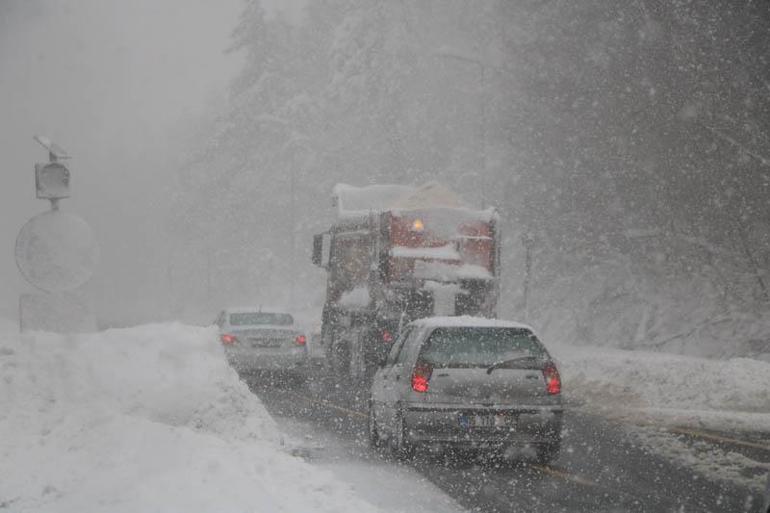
{"type": "Point", "coordinates": [56, 252]}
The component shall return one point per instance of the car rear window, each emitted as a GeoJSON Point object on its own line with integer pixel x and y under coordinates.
{"type": "Point", "coordinates": [479, 347]}
{"type": "Point", "coordinates": [261, 318]}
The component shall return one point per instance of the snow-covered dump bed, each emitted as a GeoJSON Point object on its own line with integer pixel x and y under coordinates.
{"type": "Point", "coordinates": [144, 419]}
{"type": "Point", "coordinates": [352, 201]}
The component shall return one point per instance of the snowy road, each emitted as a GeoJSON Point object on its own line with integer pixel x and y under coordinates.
{"type": "Point", "coordinates": [603, 467]}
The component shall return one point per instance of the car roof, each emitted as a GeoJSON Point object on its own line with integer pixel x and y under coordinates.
{"type": "Point", "coordinates": [466, 321]}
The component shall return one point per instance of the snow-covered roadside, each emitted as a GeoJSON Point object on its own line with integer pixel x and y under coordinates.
{"type": "Point", "coordinates": [144, 419]}
{"type": "Point", "coordinates": [652, 392]}
{"type": "Point", "coordinates": [703, 457]}
{"type": "Point", "coordinates": [670, 389]}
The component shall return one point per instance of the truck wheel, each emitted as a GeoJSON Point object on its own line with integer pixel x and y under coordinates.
{"type": "Point", "coordinates": [340, 358]}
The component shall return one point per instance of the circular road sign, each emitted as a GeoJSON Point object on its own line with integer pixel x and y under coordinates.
{"type": "Point", "coordinates": [56, 251]}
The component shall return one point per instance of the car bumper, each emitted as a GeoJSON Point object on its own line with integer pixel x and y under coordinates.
{"type": "Point", "coordinates": [452, 426]}
{"type": "Point", "coordinates": [259, 360]}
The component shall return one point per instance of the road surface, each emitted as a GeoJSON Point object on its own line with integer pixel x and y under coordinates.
{"type": "Point", "coordinates": [601, 468]}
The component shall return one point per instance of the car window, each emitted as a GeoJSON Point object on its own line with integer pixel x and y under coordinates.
{"type": "Point", "coordinates": [396, 349]}
{"type": "Point", "coordinates": [404, 353]}
{"type": "Point", "coordinates": [479, 347]}
{"type": "Point", "coordinates": [261, 318]}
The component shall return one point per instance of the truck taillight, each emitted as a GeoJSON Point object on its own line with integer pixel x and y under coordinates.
{"type": "Point", "coordinates": [552, 379]}
{"type": "Point", "coordinates": [227, 339]}
{"type": "Point", "coordinates": [301, 340]}
{"type": "Point", "coordinates": [421, 377]}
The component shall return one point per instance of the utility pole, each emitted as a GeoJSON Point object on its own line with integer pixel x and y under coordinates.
{"type": "Point", "coordinates": [208, 278]}
{"type": "Point", "coordinates": [292, 234]}
{"type": "Point", "coordinates": [528, 241]}
{"type": "Point", "coordinates": [483, 130]}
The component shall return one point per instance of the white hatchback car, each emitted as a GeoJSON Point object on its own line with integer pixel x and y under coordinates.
{"type": "Point", "coordinates": [256, 339]}
{"type": "Point", "coordinates": [468, 382]}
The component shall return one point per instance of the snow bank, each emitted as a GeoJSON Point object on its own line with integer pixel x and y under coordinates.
{"type": "Point", "coordinates": [144, 419]}
{"type": "Point", "coordinates": [720, 394]}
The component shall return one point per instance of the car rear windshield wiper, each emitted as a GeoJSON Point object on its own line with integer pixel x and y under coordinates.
{"type": "Point", "coordinates": [505, 363]}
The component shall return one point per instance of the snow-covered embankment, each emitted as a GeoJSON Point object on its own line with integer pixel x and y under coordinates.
{"type": "Point", "coordinates": [670, 389]}
{"type": "Point", "coordinates": [144, 419]}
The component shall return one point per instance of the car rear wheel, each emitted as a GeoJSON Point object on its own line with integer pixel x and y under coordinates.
{"type": "Point", "coordinates": [374, 435]}
{"type": "Point", "coordinates": [402, 448]}
{"type": "Point", "coordinates": [357, 365]}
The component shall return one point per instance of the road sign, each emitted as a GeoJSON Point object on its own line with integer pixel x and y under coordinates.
{"type": "Point", "coordinates": [52, 181]}
{"type": "Point", "coordinates": [56, 251]}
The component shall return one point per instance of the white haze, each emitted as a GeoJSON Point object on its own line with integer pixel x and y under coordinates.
{"type": "Point", "coordinates": [121, 86]}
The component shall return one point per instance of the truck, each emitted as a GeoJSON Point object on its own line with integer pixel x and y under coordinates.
{"type": "Point", "coordinates": [396, 253]}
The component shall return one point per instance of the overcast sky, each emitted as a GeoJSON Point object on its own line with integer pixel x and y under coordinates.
{"type": "Point", "coordinates": [116, 83]}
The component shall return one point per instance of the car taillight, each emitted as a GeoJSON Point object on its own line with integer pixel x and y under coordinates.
{"type": "Point", "coordinates": [300, 340]}
{"type": "Point", "coordinates": [421, 377]}
{"type": "Point", "coordinates": [552, 379]}
{"type": "Point", "coordinates": [228, 340]}
{"type": "Point", "coordinates": [387, 336]}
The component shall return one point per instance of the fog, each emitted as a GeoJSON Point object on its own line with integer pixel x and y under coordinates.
{"type": "Point", "coordinates": [627, 143]}
{"type": "Point", "coordinates": [381, 255]}
{"type": "Point", "coordinates": [122, 86]}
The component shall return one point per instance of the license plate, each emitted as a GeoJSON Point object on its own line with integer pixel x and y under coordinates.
{"type": "Point", "coordinates": [485, 421]}
{"type": "Point", "coordinates": [265, 342]}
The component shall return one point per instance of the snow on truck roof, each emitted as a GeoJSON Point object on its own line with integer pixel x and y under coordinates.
{"type": "Point", "coordinates": [466, 321]}
{"type": "Point", "coordinates": [357, 201]}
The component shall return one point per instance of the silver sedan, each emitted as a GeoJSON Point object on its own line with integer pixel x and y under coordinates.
{"type": "Point", "coordinates": [255, 339]}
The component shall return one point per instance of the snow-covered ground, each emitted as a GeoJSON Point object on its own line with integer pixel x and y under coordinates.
{"type": "Point", "coordinates": [654, 392]}
{"type": "Point", "coordinates": [668, 389]}
{"type": "Point", "coordinates": [153, 419]}
{"type": "Point", "coordinates": [145, 419]}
